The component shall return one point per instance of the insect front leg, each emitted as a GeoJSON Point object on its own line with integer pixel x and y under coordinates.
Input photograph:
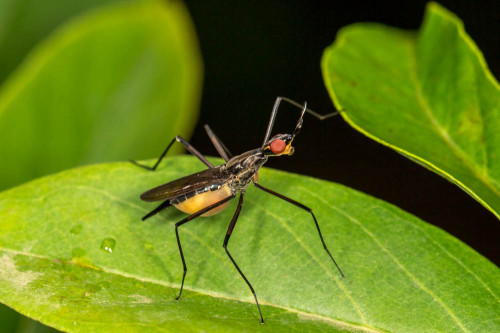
{"type": "Point", "coordinates": [187, 219]}
{"type": "Point", "coordinates": [309, 210]}
{"type": "Point", "coordinates": [226, 240]}
{"type": "Point", "coordinates": [186, 145]}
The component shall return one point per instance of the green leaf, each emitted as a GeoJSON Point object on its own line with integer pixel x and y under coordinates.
{"type": "Point", "coordinates": [75, 255]}
{"type": "Point", "coordinates": [429, 96]}
{"type": "Point", "coordinates": [23, 23]}
{"type": "Point", "coordinates": [113, 84]}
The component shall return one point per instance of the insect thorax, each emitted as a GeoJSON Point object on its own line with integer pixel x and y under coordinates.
{"type": "Point", "coordinates": [243, 167]}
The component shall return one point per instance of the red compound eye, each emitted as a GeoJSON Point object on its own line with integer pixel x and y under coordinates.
{"type": "Point", "coordinates": [277, 146]}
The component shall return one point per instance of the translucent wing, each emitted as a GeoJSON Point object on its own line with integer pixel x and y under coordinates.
{"type": "Point", "coordinates": [186, 185]}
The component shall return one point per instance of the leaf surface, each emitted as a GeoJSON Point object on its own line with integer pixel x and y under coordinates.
{"type": "Point", "coordinates": [429, 96]}
{"type": "Point", "coordinates": [75, 255]}
{"type": "Point", "coordinates": [115, 83]}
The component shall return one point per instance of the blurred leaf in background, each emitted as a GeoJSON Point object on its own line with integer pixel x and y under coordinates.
{"type": "Point", "coordinates": [90, 81]}
{"type": "Point", "coordinates": [23, 23]}
{"type": "Point", "coordinates": [402, 274]}
{"type": "Point", "coordinates": [429, 96]}
{"type": "Point", "coordinates": [114, 83]}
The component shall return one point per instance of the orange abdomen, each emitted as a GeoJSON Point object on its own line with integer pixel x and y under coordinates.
{"type": "Point", "coordinates": [205, 199]}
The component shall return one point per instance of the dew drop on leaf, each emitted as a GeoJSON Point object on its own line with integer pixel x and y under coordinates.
{"type": "Point", "coordinates": [108, 244]}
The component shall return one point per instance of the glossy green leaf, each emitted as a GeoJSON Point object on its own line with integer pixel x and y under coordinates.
{"type": "Point", "coordinates": [23, 23]}
{"type": "Point", "coordinates": [429, 96]}
{"type": "Point", "coordinates": [115, 83]}
{"type": "Point", "coordinates": [75, 255]}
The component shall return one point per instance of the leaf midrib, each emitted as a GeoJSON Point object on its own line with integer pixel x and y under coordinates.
{"type": "Point", "coordinates": [132, 205]}
{"type": "Point", "coordinates": [440, 130]}
{"type": "Point", "coordinates": [333, 322]}
{"type": "Point", "coordinates": [212, 249]}
{"type": "Point", "coordinates": [115, 198]}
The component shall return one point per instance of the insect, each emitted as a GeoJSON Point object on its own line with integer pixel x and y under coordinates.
{"type": "Point", "coordinates": [208, 192]}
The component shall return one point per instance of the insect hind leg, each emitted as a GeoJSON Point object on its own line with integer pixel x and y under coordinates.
{"type": "Point", "coordinates": [226, 240]}
{"type": "Point", "coordinates": [186, 145]}
{"type": "Point", "coordinates": [162, 206]}
{"type": "Point", "coordinates": [309, 210]}
{"type": "Point", "coordinates": [185, 220]}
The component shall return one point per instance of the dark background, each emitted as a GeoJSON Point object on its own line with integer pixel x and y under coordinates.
{"type": "Point", "coordinates": [254, 52]}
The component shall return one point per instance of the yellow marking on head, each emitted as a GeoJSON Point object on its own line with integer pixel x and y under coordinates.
{"type": "Point", "coordinates": [289, 149]}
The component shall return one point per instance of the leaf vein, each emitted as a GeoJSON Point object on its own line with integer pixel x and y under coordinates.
{"type": "Point", "coordinates": [299, 241]}
{"type": "Point", "coordinates": [400, 265]}
{"type": "Point", "coordinates": [443, 133]}
{"type": "Point", "coordinates": [458, 261]}
{"type": "Point", "coordinates": [334, 322]}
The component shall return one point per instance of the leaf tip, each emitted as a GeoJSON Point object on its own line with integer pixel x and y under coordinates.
{"type": "Point", "coordinates": [434, 8]}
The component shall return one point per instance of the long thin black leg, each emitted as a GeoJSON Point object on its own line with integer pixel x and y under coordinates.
{"type": "Point", "coordinates": [298, 204]}
{"type": "Point", "coordinates": [186, 145]}
{"type": "Point", "coordinates": [187, 219]}
{"type": "Point", "coordinates": [315, 114]}
{"type": "Point", "coordinates": [305, 109]}
{"type": "Point", "coordinates": [226, 240]}
{"type": "Point", "coordinates": [193, 151]}
{"type": "Point", "coordinates": [219, 145]}
{"type": "Point", "coordinates": [271, 120]}
{"type": "Point", "coordinates": [158, 209]}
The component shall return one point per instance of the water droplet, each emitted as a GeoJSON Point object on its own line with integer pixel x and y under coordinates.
{"type": "Point", "coordinates": [108, 244]}
{"type": "Point", "coordinates": [76, 229]}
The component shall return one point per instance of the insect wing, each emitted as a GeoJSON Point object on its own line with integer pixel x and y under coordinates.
{"type": "Point", "coordinates": [186, 185]}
